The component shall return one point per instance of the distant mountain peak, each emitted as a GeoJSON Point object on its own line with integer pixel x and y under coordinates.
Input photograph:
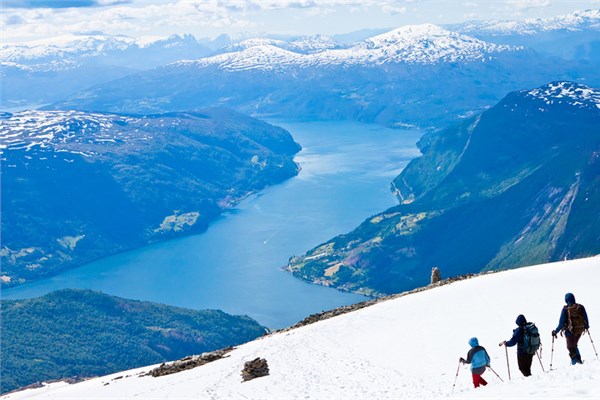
{"type": "Point", "coordinates": [428, 43]}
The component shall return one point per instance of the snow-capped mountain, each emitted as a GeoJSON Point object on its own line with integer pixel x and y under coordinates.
{"type": "Point", "coordinates": [415, 44]}
{"type": "Point", "coordinates": [576, 21]}
{"type": "Point", "coordinates": [572, 36]}
{"type": "Point", "coordinates": [47, 70]}
{"type": "Point", "coordinates": [62, 47]}
{"type": "Point", "coordinates": [428, 43]}
{"type": "Point", "coordinates": [404, 347]}
{"type": "Point", "coordinates": [302, 45]}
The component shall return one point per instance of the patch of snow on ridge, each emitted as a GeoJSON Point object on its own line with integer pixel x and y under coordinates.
{"type": "Point", "coordinates": [403, 348]}
{"type": "Point", "coordinates": [568, 93]}
{"type": "Point", "coordinates": [27, 129]}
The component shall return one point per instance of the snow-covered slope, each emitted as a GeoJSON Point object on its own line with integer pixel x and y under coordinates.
{"type": "Point", "coordinates": [407, 347]}
{"type": "Point", "coordinates": [413, 44]}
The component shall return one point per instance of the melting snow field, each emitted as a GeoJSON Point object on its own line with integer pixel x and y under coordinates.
{"type": "Point", "coordinates": [405, 348]}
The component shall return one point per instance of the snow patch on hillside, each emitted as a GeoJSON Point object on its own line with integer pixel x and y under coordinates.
{"type": "Point", "coordinates": [567, 93]}
{"type": "Point", "coordinates": [407, 347]}
{"type": "Point", "coordinates": [29, 129]}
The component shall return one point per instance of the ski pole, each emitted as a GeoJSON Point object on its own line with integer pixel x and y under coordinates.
{"type": "Point", "coordinates": [594, 347]}
{"type": "Point", "coordinates": [552, 352]}
{"type": "Point", "coordinates": [507, 364]}
{"type": "Point", "coordinates": [456, 377]}
{"type": "Point", "coordinates": [491, 369]}
{"type": "Point", "coordinates": [539, 358]}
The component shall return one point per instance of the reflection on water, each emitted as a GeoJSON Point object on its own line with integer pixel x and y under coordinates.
{"type": "Point", "coordinates": [235, 265]}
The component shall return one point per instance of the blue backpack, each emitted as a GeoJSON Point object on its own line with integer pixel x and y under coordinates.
{"type": "Point", "coordinates": [480, 359]}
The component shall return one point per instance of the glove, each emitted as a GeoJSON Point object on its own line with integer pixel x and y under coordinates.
{"type": "Point", "coordinates": [554, 333]}
{"type": "Point", "coordinates": [462, 360]}
{"type": "Point", "coordinates": [503, 343]}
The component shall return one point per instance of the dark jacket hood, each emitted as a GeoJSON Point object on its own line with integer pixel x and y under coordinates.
{"type": "Point", "coordinates": [569, 298]}
{"type": "Point", "coordinates": [521, 320]}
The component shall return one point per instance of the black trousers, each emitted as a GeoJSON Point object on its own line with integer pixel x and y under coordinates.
{"type": "Point", "coordinates": [525, 361]}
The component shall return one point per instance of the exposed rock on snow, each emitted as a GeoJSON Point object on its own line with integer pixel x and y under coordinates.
{"type": "Point", "coordinates": [188, 363]}
{"type": "Point", "coordinates": [255, 369]}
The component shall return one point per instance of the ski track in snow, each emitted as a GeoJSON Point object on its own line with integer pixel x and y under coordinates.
{"type": "Point", "coordinates": [405, 348]}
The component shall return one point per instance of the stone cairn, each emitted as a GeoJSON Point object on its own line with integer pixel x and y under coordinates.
{"type": "Point", "coordinates": [255, 369]}
{"type": "Point", "coordinates": [436, 276]}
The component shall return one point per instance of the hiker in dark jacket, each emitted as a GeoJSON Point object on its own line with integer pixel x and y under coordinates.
{"type": "Point", "coordinates": [574, 321]}
{"type": "Point", "coordinates": [479, 360]}
{"type": "Point", "coordinates": [524, 359]}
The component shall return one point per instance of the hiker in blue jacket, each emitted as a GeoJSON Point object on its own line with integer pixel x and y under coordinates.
{"type": "Point", "coordinates": [479, 360]}
{"type": "Point", "coordinates": [524, 359]}
{"type": "Point", "coordinates": [574, 321]}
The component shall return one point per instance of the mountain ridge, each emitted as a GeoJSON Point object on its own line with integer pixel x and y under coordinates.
{"type": "Point", "coordinates": [86, 333]}
{"type": "Point", "coordinates": [79, 186]}
{"type": "Point", "coordinates": [534, 201]}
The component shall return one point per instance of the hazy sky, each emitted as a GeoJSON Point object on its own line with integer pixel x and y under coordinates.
{"type": "Point", "coordinates": [35, 19]}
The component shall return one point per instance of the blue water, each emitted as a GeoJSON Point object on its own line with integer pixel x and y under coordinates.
{"type": "Point", "coordinates": [236, 264]}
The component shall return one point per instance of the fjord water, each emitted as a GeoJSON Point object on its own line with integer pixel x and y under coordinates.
{"type": "Point", "coordinates": [236, 264]}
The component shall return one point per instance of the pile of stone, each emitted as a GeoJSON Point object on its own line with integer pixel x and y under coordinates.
{"type": "Point", "coordinates": [255, 369]}
{"type": "Point", "coordinates": [188, 363]}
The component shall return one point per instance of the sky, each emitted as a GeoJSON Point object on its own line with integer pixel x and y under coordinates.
{"type": "Point", "coordinates": [25, 20]}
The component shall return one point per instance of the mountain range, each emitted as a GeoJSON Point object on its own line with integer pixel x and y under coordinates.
{"type": "Point", "coordinates": [417, 75]}
{"type": "Point", "coordinates": [78, 186]}
{"type": "Point", "coordinates": [516, 185]}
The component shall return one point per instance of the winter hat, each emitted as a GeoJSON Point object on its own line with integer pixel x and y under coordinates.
{"type": "Point", "coordinates": [473, 342]}
{"type": "Point", "coordinates": [521, 320]}
{"type": "Point", "coordinates": [569, 298]}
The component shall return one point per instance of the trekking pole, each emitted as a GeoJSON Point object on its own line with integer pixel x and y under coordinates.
{"type": "Point", "coordinates": [491, 369]}
{"type": "Point", "coordinates": [594, 347]}
{"type": "Point", "coordinates": [539, 358]}
{"type": "Point", "coordinates": [552, 352]}
{"type": "Point", "coordinates": [507, 365]}
{"type": "Point", "coordinates": [456, 377]}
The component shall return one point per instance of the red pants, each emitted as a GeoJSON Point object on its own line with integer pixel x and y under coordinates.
{"type": "Point", "coordinates": [478, 380]}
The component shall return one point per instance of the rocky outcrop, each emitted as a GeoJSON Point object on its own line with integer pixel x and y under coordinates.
{"type": "Point", "coordinates": [188, 363]}
{"type": "Point", "coordinates": [255, 369]}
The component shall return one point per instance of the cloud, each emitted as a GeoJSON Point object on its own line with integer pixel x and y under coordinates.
{"type": "Point", "coordinates": [61, 3]}
{"type": "Point", "coordinates": [527, 4]}
{"type": "Point", "coordinates": [393, 10]}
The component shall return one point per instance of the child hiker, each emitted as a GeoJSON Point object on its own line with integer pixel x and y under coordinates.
{"type": "Point", "coordinates": [479, 360]}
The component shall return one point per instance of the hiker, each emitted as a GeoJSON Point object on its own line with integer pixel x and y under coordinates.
{"type": "Point", "coordinates": [479, 360]}
{"type": "Point", "coordinates": [574, 321]}
{"type": "Point", "coordinates": [524, 358]}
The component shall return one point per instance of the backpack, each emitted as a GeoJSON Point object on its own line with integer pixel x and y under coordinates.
{"type": "Point", "coordinates": [480, 359]}
{"type": "Point", "coordinates": [575, 319]}
{"type": "Point", "coordinates": [531, 338]}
